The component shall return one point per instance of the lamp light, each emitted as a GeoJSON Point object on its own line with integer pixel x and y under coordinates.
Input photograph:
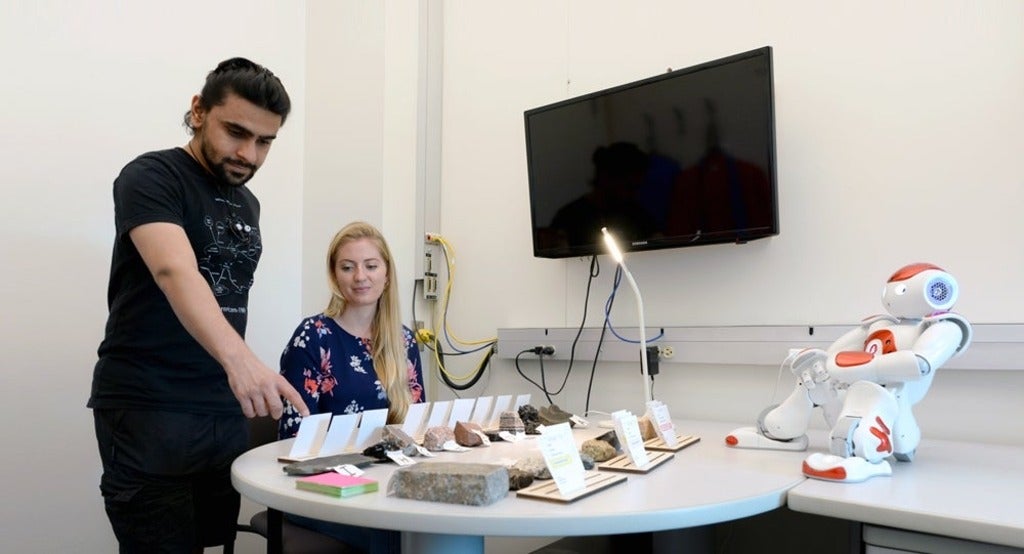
{"type": "Point", "coordinates": [613, 249]}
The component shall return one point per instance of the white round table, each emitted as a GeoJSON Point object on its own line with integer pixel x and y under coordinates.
{"type": "Point", "coordinates": [703, 484]}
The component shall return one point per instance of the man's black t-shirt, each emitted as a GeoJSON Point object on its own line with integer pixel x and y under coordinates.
{"type": "Point", "coordinates": [147, 359]}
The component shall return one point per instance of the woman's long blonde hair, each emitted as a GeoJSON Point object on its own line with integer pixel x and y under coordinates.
{"type": "Point", "coordinates": [390, 359]}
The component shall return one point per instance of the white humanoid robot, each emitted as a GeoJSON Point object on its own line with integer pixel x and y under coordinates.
{"type": "Point", "coordinates": [868, 381]}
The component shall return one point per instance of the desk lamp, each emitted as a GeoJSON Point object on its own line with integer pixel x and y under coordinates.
{"type": "Point", "coordinates": [613, 249]}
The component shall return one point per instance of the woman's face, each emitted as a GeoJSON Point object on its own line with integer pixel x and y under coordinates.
{"type": "Point", "coordinates": [360, 272]}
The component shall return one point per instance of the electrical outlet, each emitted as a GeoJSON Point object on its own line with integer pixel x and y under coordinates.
{"type": "Point", "coordinates": [429, 277]}
{"type": "Point", "coordinates": [429, 286]}
{"type": "Point", "coordinates": [666, 352]}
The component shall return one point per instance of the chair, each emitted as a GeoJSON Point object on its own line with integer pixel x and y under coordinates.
{"type": "Point", "coordinates": [284, 537]}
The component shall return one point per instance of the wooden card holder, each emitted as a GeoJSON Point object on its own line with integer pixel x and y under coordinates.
{"type": "Point", "coordinates": [548, 490]}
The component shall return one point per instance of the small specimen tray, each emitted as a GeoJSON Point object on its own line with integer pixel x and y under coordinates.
{"type": "Point", "coordinates": [623, 463]}
{"type": "Point", "coordinates": [681, 442]}
{"type": "Point", "coordinates": [548, 490]}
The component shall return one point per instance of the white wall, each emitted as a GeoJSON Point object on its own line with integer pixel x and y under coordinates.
{"type": "Point", "coordinates": [85, 88]}
{"type": "Point", "coordinates": [899, 130]}
{"type": "Point", "coordinates": [891, 119]}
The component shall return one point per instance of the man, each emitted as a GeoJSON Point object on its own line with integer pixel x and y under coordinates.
{"type": "Point", "coordinates": [174, 375]}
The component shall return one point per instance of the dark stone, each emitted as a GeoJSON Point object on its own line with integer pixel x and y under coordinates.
{"type": "Point", "coordinates": [531, 419]}
{"type": "Point", "coordinates": [380, 450]}
{"type": "Point", "coordinates": [588, 462]}
{"type": "Point", "coordinates": [519, 479]}
{"type": "Point", "coordinates": [611, 438]}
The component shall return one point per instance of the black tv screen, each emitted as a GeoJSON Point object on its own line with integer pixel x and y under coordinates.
{"type": "Point", "coordinates": [685, 158]}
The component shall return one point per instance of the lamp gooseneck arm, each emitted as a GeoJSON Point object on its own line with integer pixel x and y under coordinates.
{"type": "Point", "coordinates": [643, 333]}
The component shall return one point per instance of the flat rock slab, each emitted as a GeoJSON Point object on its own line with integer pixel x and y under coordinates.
{"type": "Point", "coordinates": [451, 483]}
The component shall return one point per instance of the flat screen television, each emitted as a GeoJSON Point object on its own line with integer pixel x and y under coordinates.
{"type": "Point", "coordinates": [684, 158]}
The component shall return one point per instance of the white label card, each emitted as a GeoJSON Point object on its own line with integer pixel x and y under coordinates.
{"type": "Point", "coordinates": [562, 458]}
{"type": "Point", "coordinates": [461, 410]}
{"type": "Point", "coordinates": [452, 446]}
{"type": "Point", "coordinates": [482, 410]}
{"type": "Point", "coordinates": [579, 421]}
{"type": "Point", "coordinates": [348, 469]}
{"type": "Point", "coordinates": [439, 414]}
{"type": "Point", "coordinates": [399, 458]}
{"type": "Point", "coordinates": [310, 436]}
{"type": "Point", "coordinates": [501, 404]}
{"type": "Point", "coordinates": [521, 400]}
{"type": "Point", "coordinates": [628, 431]}
{"type": "Point", "coordinates": [510, 437]}
{"type": "Point", "coordinates": [662, 422]}
{"type": "Point", "coordinates": [339, 436]}
{"type": "Point", "coordinates": [424, 452]}
{"type": "Point", "coordinates": [370, 426]}
{"type": "Point", "coordinates": [483, 436]}
{"type": "Point", "coordinates": [413, 424]}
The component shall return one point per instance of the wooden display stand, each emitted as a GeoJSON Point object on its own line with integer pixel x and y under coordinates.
{"type": "Point", "coordinates": [624, 464]}
{"type": "Point", "coordinates": [548, 490]}
{"type": "Point", "coordinates": [682, 441]}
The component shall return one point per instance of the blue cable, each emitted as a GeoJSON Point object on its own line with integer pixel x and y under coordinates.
{"type": "Point", "coordinates": [608, 314]}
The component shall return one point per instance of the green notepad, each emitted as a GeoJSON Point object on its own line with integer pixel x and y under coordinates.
{"type": "Point", "coordinates": [336, 484]}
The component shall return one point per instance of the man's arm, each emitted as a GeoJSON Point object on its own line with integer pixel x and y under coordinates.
{"type": "Point", "coordinates": [169, 256]}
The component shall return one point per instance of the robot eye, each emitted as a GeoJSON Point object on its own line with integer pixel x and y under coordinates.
{"type": "Point", "coordinates": [900, 289]}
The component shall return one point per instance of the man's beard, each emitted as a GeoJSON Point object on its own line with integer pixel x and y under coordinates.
{"type": "Point", "coordinates": [220, 170]}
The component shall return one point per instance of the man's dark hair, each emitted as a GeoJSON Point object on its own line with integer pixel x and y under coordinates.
{"type": "Point", "coordinates": [248, 80]}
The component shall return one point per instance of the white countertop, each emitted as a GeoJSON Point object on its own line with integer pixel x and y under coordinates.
{"type": "Point", "coordinates": [965, 490]}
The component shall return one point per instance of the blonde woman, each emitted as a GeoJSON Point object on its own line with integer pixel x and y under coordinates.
{"type": "Point", "coordinates": [354, 356]}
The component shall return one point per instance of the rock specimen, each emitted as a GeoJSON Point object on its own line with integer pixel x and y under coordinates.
{"type": "Point", "coordinates": [553, 415]}
{"type": "Point", "coordinates": [468, 433]}
{"type": "Point", "coordinates": [534, 465]}
{"type": "Point", "coordinates": [588, 462]}
{"type": "Point", "coordinates": [598, 450]}
{"type": "Point", "coordinates": [519, 479]}
{"type": "Point", "coordinates": [379, 451]}
{"type": "Point", "coordinates": [611, 438]}
{"type": "Point", "coordinates": [531, 419]}
{"type": "Point", "coordinates": [647, 430]}
{"type": "Point", "coordinates": [511, 422]}
{"type": "Point", "coordinates": [452, 483]}
{"type": "Point", "coordinates": [395, 433]}
{"type": "Point", "coordinates": [435, 437]}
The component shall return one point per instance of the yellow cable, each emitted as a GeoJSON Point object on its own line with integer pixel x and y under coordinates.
{"type": "Point", "coordinates": [450, 263]}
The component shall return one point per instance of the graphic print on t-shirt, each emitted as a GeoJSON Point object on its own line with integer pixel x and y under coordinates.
{"type": "Point", "coordinates": [229, 259]}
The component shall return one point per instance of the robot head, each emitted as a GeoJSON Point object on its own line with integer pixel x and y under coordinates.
{"type": "Point", "coordinates": [918, 290]}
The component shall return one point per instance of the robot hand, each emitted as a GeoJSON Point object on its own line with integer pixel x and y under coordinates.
{"type": "Point", "coordinates": [809, 367]}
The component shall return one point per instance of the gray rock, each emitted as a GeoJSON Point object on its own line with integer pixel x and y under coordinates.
{"type": "Point", "coordinates": [533, 465]}
{"type": "Point", "coordinates": [588, 462]}
{"type": "Point", "coordinates": [395, 433]}
{"type": "Point", "coordinates": [451, 483]}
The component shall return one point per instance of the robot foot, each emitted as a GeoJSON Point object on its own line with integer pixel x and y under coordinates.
{"type": "Point", "coordinates": [830, 467]}
{"type": "Point", "coordinates": [904, 456]}
{"type": "Point", "coordinates": [750, 437]}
